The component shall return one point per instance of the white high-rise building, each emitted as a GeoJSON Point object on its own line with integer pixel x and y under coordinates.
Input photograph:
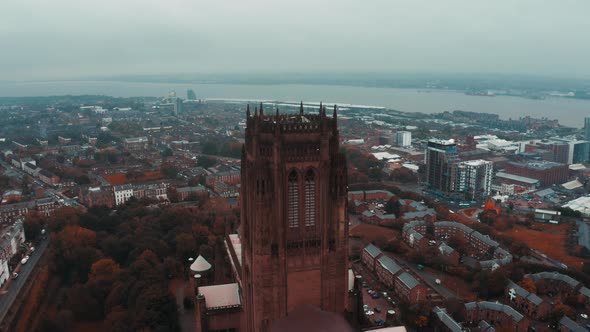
{"type": "Point", "coordinates": [403, 138]}
{"type": "Point", "coordinates": [474, 177]}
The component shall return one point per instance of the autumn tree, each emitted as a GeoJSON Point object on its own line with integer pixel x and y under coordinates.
{"type": "Point", "coordinates": [103, 273]}
{"type": "Point", "coordinates": [62, 217]}
{"type": "Point", "coordinates": [458, 243]}
{"type": "Point", "coordinates": [528, 284]}
{"type": "Point", "coordinates": [33, 224]}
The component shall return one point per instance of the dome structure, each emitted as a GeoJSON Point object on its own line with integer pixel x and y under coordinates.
{"type": "Point", "coordinates": [200, 265]}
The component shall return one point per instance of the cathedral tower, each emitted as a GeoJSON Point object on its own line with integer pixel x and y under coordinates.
{"type": "Point", "coordinates": [294, 223]}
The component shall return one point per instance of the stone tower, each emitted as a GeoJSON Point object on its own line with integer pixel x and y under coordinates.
{"type": "Point", "coordinates": [294, 223]}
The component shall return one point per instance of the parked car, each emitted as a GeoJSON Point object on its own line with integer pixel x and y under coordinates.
{"type": "Point", "coordinates": [14, 275]}
{"type": "Point", "coordinates": [24, 260]}
{"type": "Point", "coordinates": [377, 309]}
{"type": "Point", "coordinates": [369, 313]}
{"type": "Point", "coordinates": [379, 321]}
{"type": "Point", "coordinates": [376, 296]}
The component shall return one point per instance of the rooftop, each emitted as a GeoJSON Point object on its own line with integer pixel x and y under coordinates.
{"type": "Point", "coordinates": [200, 265]}
{"type": "Point", "coordinates": [538, 165]}
{"type": "Point", "coordinates": [221, 296]}
{"type": "Point", "coordinates": [408, 280]}
{"type": "Point", "coordinates": [372, 250]}
{"type": "Point", "coordinates": [389, 264]}
{"type": "Point", "coordinates": [518, 178]}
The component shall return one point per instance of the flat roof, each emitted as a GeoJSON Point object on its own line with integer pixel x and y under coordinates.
{"type": "Point", "coordinates": [516, 178]}
{"type": "Point", "coordinates": [581, 204]}
{"type": "Point", "coordinates": [221, 296]}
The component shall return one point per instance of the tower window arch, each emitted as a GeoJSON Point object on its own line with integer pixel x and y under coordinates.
{"type": "Point", "coordinates": [310, 198]}
{"type": "Point", "coordinates": [293, 200]}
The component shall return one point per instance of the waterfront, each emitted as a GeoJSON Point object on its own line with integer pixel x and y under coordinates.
{"type": "Point", "coordinates": [569, 112]}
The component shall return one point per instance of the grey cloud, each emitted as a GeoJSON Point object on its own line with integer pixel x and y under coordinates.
{"type": "Point", "coordinates": [73, 38]}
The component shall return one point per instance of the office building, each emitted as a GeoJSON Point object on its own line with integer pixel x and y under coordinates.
{"type": "Point", "coordinates": [546, 172]}
{"type": "Point", "coordinates": [190, 95]}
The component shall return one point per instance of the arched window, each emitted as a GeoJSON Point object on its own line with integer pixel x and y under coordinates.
{"type": "Point", "coordinates": [293, 200]}
{"type": "Point", "coordinates": [310, 198]}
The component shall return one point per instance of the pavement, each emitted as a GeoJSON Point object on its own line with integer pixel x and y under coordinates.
{"type": "Point", "coordinates": [13, 287]}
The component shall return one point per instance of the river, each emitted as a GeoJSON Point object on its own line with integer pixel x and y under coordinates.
{"type": "Point", "coordinates": [569, 112]}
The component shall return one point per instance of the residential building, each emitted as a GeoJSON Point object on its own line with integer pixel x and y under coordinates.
{"type": "Point", "coordinates": [446, 323]}
{"type": "Point", "coordinates": [403, 138]}
{"type": "Point", "coordinates": [500, 314]}
{"type": "Point", "coordinates": [439, 159]}
{"type": "Point", "coordinates": [187, 192]}
{"type": "Point", "coordinates": [566, 324]}
{"type": "Point", "coordinates": [48, 178]}
{"type": "Point", "coordinates": [10, 240]}
{"type": "Point", "coordinates": [47, 206]}
{"type": "Point", "coordinates": [386, 269]}
{"type": "Point", "coordinates": [527, 302]}
{"type": "Point", "coordinates": [474, 179]}
{"type": "Point", "coordinates": [97, 196]}
{"type": "Point", "coordinates": [156, 191]}
{"type": "Point", "coordinates": [369, 256]}
{"type": "Point", "coordinates": [135, 144]}
{"type": "Point", "coordinates": [410, 289]}
{"type": "Point", "coordinates": [122, 193]}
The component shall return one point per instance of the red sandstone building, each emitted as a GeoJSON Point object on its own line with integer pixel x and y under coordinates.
{"type": "Point", "coordinates": [545, 171]}
{"type": "Point", "coordinates": [292, 246]}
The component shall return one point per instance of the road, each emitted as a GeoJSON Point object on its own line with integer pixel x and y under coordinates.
{"type": "Point", "coordinates": [13, 290]}
{"type": "Point", "coordinates": [428, 278]}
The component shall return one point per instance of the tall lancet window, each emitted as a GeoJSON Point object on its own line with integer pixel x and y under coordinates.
{"type": "Point", "coordinates": [310, 198]}
{"type": "Point", "coordinates": [293, 200]}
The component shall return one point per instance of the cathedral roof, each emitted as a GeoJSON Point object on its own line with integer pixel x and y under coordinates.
{"type": "Point", "coordinates": [200, 265]}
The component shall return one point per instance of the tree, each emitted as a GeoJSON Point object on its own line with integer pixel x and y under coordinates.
{"type": "Point", "coordinates": [206, 161]}
{"type": "Point", "coordinates": [529, 285]}
{"type": "Point", "coordinates": [560, 310]}
{"type": "Point", "coordinates": [403, 175]}
{"type": "Point", "coordinates": [83, 304]}
{"type": "Point", "coordinates": [458, 243]}
{"type": "Point", "coordinates": [210, 148]}
{"type": "Point", "coordinates": [103, 273]}
{"type": "Point", "coordinates": [393, 206]}
{"type": "Point", "coordinates": [118, 320]}
{"type": "Point", "coordinates": [62, 217]}
{"type": "Point", "coordinates": [422, 321]}
{"type": "Point", "coordinates": [172, 194]}
{"type": "Point", "coordinates": [167, 152]}
{"type": "Point", "coordinates": [33, 224]}
{"type": "Point", "coordinates": [156, 309]}
{"type": "Point", "coordinates": [169, 171]}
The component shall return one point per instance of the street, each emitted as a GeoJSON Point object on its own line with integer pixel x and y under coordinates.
{"type": "Point", "coordinates": [15, 286]}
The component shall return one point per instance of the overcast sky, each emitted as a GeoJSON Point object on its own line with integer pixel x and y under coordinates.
{"type": "Point", "coordinates": [46, 39]}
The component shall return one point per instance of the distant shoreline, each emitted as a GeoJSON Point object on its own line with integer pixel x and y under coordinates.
{"type": "Point", "coordinates": [569, 111]}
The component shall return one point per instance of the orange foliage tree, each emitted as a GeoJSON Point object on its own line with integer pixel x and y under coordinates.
{"type": "Point", "coordinates": [529, 285]}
